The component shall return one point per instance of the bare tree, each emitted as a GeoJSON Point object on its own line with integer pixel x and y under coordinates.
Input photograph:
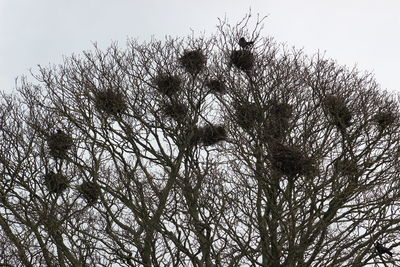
{"type": "Point", "coordinates": [199, 152]}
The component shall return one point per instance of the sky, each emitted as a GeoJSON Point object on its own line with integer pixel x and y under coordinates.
{"type": "Point", "coordinates": [364, 33]}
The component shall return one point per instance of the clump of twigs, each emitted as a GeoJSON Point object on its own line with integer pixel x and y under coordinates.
{"type": "Point", "coordinates": [278, 120]}
{"type": "Point", "coordinates": [56, 182]}
{"type": "Point", "coordinates": [208, 135]}
{"type": "Point", "coordinates": [194, 136]}
{"type": "Point", "coordinates": [48, 219]}
{"type": "Point", "coordinates": [168, 84]}
{"type": "Point", "coordinates": [338, 110]}
{"type": "Point", "coordinates": [212, 134]}
{"type": "Point", "coordinates": [90, 191]}
{"type": "Point", "coordinates": [193, 61]}
{"type": "Point", "coordinates": [177, 111]}
{"type": "Point", "coordinates": [281, 110]}
{"type": "Point", "coordinates": [290, 161]}
{"type": "Point", "coordinates": [346, 167]}
{"type": "Point", "coordinates": [242, 59]}
{"type": "Point", "coordinates": [59, 143]}
{"type": "Point", "coordinates": [110, 101]}
{"type": "Point", "coordinates": [216, 86]}
{"type": "Point", "coordinates": [385, 119]}
{"type": "Point", "coordinates": [248, 114]}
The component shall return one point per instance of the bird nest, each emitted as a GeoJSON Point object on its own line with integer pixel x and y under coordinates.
{"type": "Point", "coordinates": [339, 112]}
{"type": "Point", "coordinates": [59, 143]}
{"type": "Point", "coordinates": [212, 134]}
{"type": "Point", "coordinates": [385, 119]}
{"type": "Point", "coordinates": [346, 167]}
{"type": "Point", "coordinates": [242, 59]}
{"type": "Point", "coordinates": [276, 129]}
{"type": "Point", "coordinates": [281, 110]}
{"type": "Point", "coordinates": [168, 84]}
{"type": "Point", "coordinates": [291, 161]}
{"type": "Point", "coordinates": [278, 120]}
{"type": "Point", "coordinates": [193, 61]}
{"type": "Point", "coordinates": [110, 101]}
{"type": "Point", "coordinates": [216, 86]}
{"type": "Point", "coordinates": [208, 135]}
{"type": "Point", "coordinates": [56, 182]}
{"type": "Point", "coordinates": [248, 114]}
{"type": "Point", "coordinates": [50, 221]}
{"type": "Point", "coordinates": [194, 135]}
{"type": "Point", "coordinates": [177, 111]}
{"type": "Point", "coordinates": [90, 191]}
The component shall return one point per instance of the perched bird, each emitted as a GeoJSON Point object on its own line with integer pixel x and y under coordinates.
{"type": "Point", "coordinates": [244, 44]}
{"type": "Point", "coordinates": [382, 250]}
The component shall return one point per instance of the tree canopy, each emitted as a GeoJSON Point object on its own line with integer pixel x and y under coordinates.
{"type": "Point", "coordinates": [199, 151]}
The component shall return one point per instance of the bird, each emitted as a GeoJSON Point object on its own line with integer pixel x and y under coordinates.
{"type": "Point", "coordinates": [382, 250]}
{"type": "Point", "coordinates": [244, 44]}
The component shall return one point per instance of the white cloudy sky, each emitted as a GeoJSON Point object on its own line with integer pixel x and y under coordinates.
{"type": "Point", "coordinates": [362, 32]}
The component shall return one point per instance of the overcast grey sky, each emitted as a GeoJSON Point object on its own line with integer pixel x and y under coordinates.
{"type": "Point", "coordinates": [362, 32]}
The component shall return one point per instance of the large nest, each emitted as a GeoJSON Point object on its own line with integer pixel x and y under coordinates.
{"type": "Point", "coordinates": [339, 112]}
{"type": "Point", "coordinates": [50, 221]}
{"type": "Point", "coordinates": [111, 101]}
{"type": "Point", "coordinates": [193, 61]}
{"type": "Point", "coordinates": [248, 114]}
{"type": "Point", "coordinates": [177, 111]}
{"type": "Point", "coordinates": [346, 167]}
{"type": "Point", "coordinates": [194, 136]}
{"type": "Point", "coordinates": [208, 135]}
{"type": "Point", "coordinates": [291, 161]}
{"type": "Point", "coordinates": [278, 120]}
{"type": "Point", "coordinates": [212, 134]}
{"type": "Point", "coordinates": [59, 143]}
{"type": "Point", "coordinates": [168, 84]}
{"type": "Point", "coordinates": [281, 110]}
{"type": "Point", "coordinates": [90, 191]}
{"type": "Point", "coordinates": [385, 119]}
{"type": "Point", "coordinates": [216, 86]}
{"type": "Point", "coordinates": [56, 182]}
{"type": "Point", "coordinates": [242, 59]}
